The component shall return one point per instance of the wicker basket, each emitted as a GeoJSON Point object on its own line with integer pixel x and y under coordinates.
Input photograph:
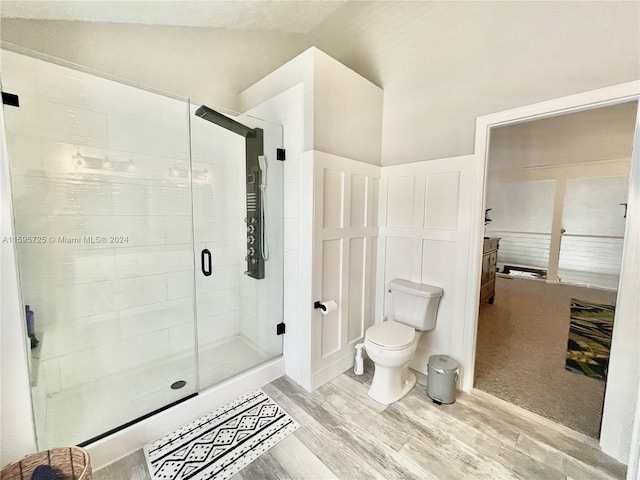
{"type": "Point", "coordinates": [71, 462]}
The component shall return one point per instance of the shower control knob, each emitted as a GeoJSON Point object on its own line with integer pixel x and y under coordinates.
{"type": "Point", "coordinates": [253, 261]}
{"type": "Point", "coordinates": [251, 229]}
{"type": "Point", "coordinates": [251, 251]}
{"type": "Point", "coordinates": [251, 239]}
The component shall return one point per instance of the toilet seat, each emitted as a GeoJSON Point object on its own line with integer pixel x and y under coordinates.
{"type": "Point", "coordinates": [391, 335]}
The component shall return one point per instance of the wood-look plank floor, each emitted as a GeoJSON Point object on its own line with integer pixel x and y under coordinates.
{"type": "Point", "coordinates": [344, 434]}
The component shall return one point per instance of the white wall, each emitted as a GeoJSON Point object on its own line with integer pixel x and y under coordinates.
{"type": "Point", "coordinates": [342, 112]}
{"type": "Point", "coordinates": [347, 111]}
{"type": "Point", "coordinates": [621, 407]}
{"type": "Point", "coordinates": [17, 429]}
{"type": "Point", "coordinates": [442, 64]}
{"type": "Point", "coordinates": [210, 64]}
{"type": "Point", "coordinates": [425, 214]}
{"type": "Point", "coordinates": [595, 135]}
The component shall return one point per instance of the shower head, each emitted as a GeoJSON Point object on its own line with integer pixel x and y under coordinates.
{"type": "Point", "coordinates": [225, 122]}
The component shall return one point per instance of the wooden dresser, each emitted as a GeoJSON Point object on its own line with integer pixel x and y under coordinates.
{"type": "Point", "coordinates": [489, 260]}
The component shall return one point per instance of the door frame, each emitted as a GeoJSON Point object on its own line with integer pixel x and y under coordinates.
{"type": "Point", "coordinates": [603, 97]}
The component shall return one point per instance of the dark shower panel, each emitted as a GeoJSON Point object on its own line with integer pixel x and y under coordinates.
{"type": "Point", "coordinates": [254, 147]}
{"type": "Point", "coordinates": [255, 260]}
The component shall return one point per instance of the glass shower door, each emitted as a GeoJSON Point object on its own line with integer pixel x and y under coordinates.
{"type": "Point", "coordinates": [100, 175]}
{"type": "Point", "coordinates": [238, 223]}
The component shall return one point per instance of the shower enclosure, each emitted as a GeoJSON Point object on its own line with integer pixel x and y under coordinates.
{"type": "Point", "coordinates": [139, 225]}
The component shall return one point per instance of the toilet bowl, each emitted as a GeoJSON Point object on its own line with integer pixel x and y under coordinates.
{"type": "Point", "coordinates": [392, 344]}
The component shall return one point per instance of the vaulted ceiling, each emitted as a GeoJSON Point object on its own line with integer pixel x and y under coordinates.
{"type": "Point", "coordinates": [441, 63]}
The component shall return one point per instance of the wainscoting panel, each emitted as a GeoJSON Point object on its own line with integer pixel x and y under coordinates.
{"type": "Point", "coordinates": [441, 201]}
{"type": "Point", "coordinates": [344, 243]}
{"type": "Point", "coordinates": [424, 231]}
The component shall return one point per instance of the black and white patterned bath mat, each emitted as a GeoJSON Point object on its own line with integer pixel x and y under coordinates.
{"type": "Point", "coordinates": [221, 443]}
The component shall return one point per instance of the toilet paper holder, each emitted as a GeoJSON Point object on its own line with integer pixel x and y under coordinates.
{"type": "Point", "coordinates": [325, 306]}
{"type": "Point", "coordinates": [319, 305]}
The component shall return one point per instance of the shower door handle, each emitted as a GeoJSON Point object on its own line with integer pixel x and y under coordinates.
{"type": "Point", "coordinates": [205, 260]}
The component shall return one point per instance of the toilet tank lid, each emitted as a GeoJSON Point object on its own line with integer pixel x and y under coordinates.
{"type": "Point", "coordinates": [419, 289]}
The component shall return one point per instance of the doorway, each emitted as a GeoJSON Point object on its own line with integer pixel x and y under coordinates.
{"type": "Point", "coordinates": [556, 202]}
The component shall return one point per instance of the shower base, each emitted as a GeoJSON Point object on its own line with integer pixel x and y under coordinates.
{"type": "Point", "coordinates": [78, 414]}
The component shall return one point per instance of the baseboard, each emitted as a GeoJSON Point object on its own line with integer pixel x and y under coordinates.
{"type": "Point", "coordinates": [130, 439]}
{"type": "Point", "coordinates": [331, 371]}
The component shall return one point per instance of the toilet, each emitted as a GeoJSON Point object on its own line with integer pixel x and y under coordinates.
{"type": "Point", "coordinates": [392, 344]}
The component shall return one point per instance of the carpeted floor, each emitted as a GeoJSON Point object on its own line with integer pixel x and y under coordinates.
{"type": "Point", "coordinates": [521, 351]}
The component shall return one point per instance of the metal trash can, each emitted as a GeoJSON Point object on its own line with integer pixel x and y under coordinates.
{"type": "Point", "coordinates": [442, 375]}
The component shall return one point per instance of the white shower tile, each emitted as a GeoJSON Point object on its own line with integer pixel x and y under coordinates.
{"type": "Point", "coordinates": [60, 197]}
{"type": "Point", "coordinates": [199, 197]}
{"type": "Point", "coordinates": [68, 337]}
{"type": "Point", "coordinates": [221, 278]}
{"type": "Point", "coordinates": [139, 230]}
{"type": "Point", "coordinates": [249, 326]}
{"type": "Point", "coordinates": [137, 261]}
{"type": "Point", "coordinates": [43, 303]}
{"type": "Point", "coordinates": [219, 229]}
{"type": "Point", "coordinates": [44, 119]}
{"type": "Point", "coordinates": [145, 349]}
{"type": "Point", "coordinates": [25, 155]}
{"type": "Point", "coordinates": [81, 226]}
{"type": "Point", "coordinates": [217, 303]}
{"type": "Point", "coordinates": [215, 328]}
{"type": "Point", "coordinates": [132, 200]}
{"type": "Point", "coordinates": [182, 339]}
{"type": "Point", "coordinates": [158, 316]}
{"type": "Point", "coordinates": [224, 202]}
{"type": "Point", "coordinates": [75, 301]}
{"type": "Point", "coordinates": [142, 137]}
{"type": "Point", "coordinates": [20, 72]}
{"type": "Point", "coordinates": [137, 291]}
{"type": "Point", "coordinates": [180, 285]}
{"type": "Point", "coordinates": [178, 229]}
{"type": "Point", "coordinates": [49, 376]}
{"type": "Point", "coordinates": [70, 264]}
{"type": "Point", "coordinates": [86, 366]}
{"type": "Point", "coordinates": [32, 225]}
{"type": "Point", "coordinates": [91, 319]}
{"type": "Point", "coordinates": [82, 367]}
{"type": "Point", "coordinates": [171, 199]}
{"type": "Point", "coordinates": [173, 113]}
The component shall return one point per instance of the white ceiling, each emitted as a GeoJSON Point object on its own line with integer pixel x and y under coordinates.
{"type": "Point", "coordinates": [441, 63]}
{"type": "Point", "coordinates": [280, 16]}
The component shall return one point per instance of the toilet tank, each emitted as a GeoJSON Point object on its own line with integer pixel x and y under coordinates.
{"type": "Point", "coordinates": [415, 304]}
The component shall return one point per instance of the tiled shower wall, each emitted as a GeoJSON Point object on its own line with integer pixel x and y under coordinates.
{"type": "Point", "coordinates": [100, 308]}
